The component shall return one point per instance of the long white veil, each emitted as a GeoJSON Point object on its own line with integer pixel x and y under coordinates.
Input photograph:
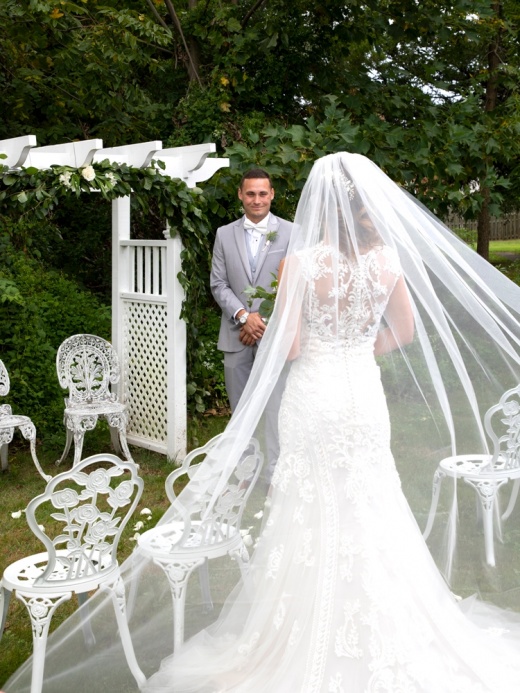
{"type": "Point", "coordinates": [465, 353]}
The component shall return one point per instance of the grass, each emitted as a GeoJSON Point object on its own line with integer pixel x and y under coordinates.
{"type": "Point", "coordinates": [22, 482]}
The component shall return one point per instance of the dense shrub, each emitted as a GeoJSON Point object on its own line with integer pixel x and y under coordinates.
{"type": "Point", "coordinates": [39, 309]}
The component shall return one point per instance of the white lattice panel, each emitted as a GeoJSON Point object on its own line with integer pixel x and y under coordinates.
{"type": "Point", "coordinates": [144, 367]}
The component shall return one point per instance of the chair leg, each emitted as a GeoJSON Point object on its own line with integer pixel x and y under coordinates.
{"type": "Point", "coordinates": [487, 493]}
{"type": "Point", "coordinates": [79, 425]}
{"type": "Point", "coordinates": [512, 500]}
{"type": "Point", "coordinates": [204, 586]}
{"type": "Point", "coordinates": [5, 598]}
{"type": "Point", "coordinates": [29, 433]}
{"type": "Point", "coordinates": [41, 610]}
{"type": "Point", "coordinates": [114, 437]}
{"type": "Point", "coordinates": [436, 490]}
{"type": "Point", "coordinates": [88, 635]}
{"type": "Point", "coordinates": [117, 591]}
{"type": "Point", "coordinates": [118, 423]}
{"type": "Point", "coordinates": [178, 574]}
{"type": "Point", "coordinates": [68, 443]}
{"type": "Point", "coordinates": [3, 456]}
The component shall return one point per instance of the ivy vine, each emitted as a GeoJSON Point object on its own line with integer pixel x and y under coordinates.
{"type": "Point", "coordinates": [34, 193]}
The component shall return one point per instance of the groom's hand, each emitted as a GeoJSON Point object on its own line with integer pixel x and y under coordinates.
{"type": "Point", "coordinates": [253, 330]}
{"type": "Point", "coordinates": [246, 339]}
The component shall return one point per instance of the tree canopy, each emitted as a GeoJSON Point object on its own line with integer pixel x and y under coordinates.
{"type": "Point", "coordinates": [427, 89]}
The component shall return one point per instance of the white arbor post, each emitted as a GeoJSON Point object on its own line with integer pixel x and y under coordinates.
{"type": "Point", "coordinates": [147, 331]}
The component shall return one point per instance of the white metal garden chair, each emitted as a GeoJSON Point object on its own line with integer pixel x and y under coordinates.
{"type": "Point", "coordinates": [87, 366]}
{"type": "Point", "coordinates": [487, 473]}
{"type": "Point", "coordinates": [89, 506]}
{"type": "Point", "coordinates": [9, 422]}
{"type": "Point", "coordinates": [186, 543]}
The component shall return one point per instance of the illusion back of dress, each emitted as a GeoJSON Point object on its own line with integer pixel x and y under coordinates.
{"type": "Point", "coordinates": [346, 298]}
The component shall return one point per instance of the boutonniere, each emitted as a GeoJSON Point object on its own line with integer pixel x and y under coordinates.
{"type": "Point", "coordinates": [269, 238]}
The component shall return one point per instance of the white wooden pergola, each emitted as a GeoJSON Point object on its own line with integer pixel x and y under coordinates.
{"type": "Point", "coordinates": [147, 331]}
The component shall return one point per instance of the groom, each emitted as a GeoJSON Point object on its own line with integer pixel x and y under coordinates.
{"type": "Point", "coordinates": [247, 252]}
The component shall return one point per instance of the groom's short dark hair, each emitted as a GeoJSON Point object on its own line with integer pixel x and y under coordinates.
{"type": "Point", "coordinates": [255, 173]}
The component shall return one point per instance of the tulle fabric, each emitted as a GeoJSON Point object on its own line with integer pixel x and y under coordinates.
{"type": "Point", "coordinates": [342, 592]}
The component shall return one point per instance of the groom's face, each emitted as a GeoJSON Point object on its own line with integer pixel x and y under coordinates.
{"type": "Point", "coordinates": [256, 195]}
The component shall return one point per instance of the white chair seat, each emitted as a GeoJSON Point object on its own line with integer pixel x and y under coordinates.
{"type": "Point", "coordinates": [166, 541]}
{"type": "Point", "coordinates": [24, 573]}
{"type": "Point", "coordinates": [95, 409]}
{"type": "Point", "coordinates": [478, 467]}
{"type": "Point", "coordinates": [487, 473]}
{"type": "Point", "coordinates": [14, 421]}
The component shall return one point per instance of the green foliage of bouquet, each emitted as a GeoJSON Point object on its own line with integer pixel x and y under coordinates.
{"type": "Point", "coordinates": [267, 296]}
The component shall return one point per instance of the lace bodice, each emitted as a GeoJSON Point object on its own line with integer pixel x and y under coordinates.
{"type": "Point", "coordinates": [346, 299]}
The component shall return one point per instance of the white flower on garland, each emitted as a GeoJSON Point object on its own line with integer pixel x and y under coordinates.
{"type": "Point", "coordinates": [88, 173]}
{"type": "Point", "coordinates": [65, 179]}
{"type": "Point", "coordinates": [111, 178]}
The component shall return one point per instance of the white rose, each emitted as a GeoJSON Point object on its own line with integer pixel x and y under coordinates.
{"type": "Point", "coordinates": [65, 178]}
{"type": "Point", "coordinates": [16, 515]}
{"type": "Point", "coordinates": [88, 173]}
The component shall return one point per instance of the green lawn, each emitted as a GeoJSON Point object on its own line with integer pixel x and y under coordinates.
{"type": "Point", "coordinates": [22, 482]}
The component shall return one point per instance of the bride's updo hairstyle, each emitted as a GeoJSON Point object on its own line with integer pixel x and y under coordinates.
{"type": "Point", "coordinates": [464, 355]}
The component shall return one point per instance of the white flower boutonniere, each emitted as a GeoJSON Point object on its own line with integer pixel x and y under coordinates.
{"type": "Point", "coordinates": [270, 236]}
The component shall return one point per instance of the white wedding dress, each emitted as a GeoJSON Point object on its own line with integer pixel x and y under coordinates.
{"type": "Point", "coordinates": [343, 595]}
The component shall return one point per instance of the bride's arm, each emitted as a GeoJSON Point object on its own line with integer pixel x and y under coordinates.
{"type": "Point", "coordinates": [294, 351]}
{"type": "Point", "coordinates": [399, 318]}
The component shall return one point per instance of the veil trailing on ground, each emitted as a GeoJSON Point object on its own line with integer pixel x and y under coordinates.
{"type": "Point", "coordinates": [463, 355]}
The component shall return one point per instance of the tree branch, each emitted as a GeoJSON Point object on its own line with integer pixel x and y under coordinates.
{"type": "Point", "coordinates": [157, 15]}
{"type": "Point", "coordinates": [258, 4]}
{"type": "Point", "coordinates": [175, 19]}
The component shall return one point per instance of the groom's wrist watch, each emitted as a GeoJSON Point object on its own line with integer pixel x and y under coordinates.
{"type": "Point", "coordinates": [243, 318]}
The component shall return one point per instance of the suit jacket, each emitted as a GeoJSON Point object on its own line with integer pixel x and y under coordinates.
{"type": "Point", "coordinates": [231, 272]}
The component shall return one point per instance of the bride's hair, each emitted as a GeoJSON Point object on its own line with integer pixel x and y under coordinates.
{"type": "Point", "coordinates": [352, 212]}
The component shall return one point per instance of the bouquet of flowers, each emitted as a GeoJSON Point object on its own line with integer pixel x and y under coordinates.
{"type": "Point", "coordinates": [268, 297]}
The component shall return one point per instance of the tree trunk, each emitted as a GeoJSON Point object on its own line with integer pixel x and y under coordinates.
{"type": "Point", "coordinates": [484, 217]}
{"type": "Point", "coordinates": [484, 227]}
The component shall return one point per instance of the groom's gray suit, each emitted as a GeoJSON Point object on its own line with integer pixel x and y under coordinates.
{"type": "Point", "coordinates": [233, 269]}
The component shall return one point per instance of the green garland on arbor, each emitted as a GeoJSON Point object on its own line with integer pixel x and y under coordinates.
{"type": "Point", "coordinates": [34, 193]}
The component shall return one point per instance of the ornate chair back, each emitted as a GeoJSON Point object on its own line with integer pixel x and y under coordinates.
{"type": "Point", "coordinates": [87, 365]}
{"type": "Point", "coordinates": [502, 424]}
{"type": "Point", "coordinates": [85, 511]}
{"type": "Point", "coordinates": [222, 522]}
{"type": "Point", "coordinates": [4, 380]}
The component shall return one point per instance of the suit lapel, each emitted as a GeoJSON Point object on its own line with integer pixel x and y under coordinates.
{"type": "Point", "coordinates": [240, 240]}
{"type": "Point", "coordinates": [272, 225]}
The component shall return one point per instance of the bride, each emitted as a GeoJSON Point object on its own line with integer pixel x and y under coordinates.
{"type": "Point", "coordinates": [342, 594]}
